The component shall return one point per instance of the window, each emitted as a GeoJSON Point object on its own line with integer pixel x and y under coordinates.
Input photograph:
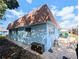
{"type": "Point", "coordinates": [10, 32]}
{"type": "Point", "coordinates": [28, 30]}
{"type": "Point", "coordinates": [51, 30]}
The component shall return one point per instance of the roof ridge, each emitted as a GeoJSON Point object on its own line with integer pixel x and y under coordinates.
{"type": "Point", "coordinates": [39, 15]}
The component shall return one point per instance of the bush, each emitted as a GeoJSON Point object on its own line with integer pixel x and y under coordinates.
{"type": "Point", "coordinates": [2, 37]}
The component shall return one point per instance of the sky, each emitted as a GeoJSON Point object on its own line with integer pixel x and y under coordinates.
{"type": "Point", "coordinates": [64, 11]}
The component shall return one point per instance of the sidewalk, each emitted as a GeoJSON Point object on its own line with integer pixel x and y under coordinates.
{"type": "Point", "coordinates": [58, 53]}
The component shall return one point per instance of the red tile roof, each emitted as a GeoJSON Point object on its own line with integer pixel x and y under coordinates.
{"type": "Point", "coordinates": [38, 16]}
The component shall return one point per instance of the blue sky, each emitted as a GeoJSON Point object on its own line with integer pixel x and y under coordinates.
{"type": "Point", "coordinates": [64, 11]}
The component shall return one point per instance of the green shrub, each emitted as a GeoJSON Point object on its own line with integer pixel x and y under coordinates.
{"type": "Point", "coordinates": [2, 37]}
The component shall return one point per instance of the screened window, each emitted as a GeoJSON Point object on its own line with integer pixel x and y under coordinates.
{"type": "Point", "coordinates": [28, 31]}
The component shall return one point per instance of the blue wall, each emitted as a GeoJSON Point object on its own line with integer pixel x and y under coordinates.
{"type": "Point", "coordinates": [50, 34]}
{"type": "Point", "coordinates": [42, 33]}
{"type": "Point", "coordinates": [38, 34]}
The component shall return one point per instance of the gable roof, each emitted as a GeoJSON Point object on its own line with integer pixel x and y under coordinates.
{"type": "Point", "coordinates": [40, 15]}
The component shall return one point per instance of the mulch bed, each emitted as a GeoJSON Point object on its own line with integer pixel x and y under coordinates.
{"type": "Point", "coordinates": [9, 50]}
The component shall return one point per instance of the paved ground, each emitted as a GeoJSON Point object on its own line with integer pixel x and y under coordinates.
{"type": "Point", "coordinates": [58, 53]}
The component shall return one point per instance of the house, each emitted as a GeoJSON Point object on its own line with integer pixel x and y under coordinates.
{"type": "Point", "coordinates": [73, 30]}
{"type": "Point", "coordinates": [3, 31]}
{"type": "Point", "coordinates": [37, 26]}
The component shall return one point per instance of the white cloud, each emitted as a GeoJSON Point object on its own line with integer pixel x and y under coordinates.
{"type": "Point", "coordinates": [62, 24]}
{"type": "Point", "coordinates": [76, 7]}
{"type": "Point", "coordinates": [29, 1]}
{"type": "Point", "coordinates": [54, 10]}
{"type": "Point", "coordinates": [66, 15]}
{"type": "Point", "coordinates": [15, 13]}
{"type": "Point", "coordinates": [69, 16]}
{"type": "Point", "coordinates": [65, 11]}
{"type": "Point", "coordinates": [68, 24]}
{"type": "Point", "coordinates": [9, 16]}
{"type": "Point", "coordinates": [76, 18]}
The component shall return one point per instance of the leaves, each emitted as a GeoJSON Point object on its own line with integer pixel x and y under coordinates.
{"type": "Point", "coordinates": [7, 4]}
{"type": "Point", "coordinates": [3, 8]}
{"type": "Point", "coordinates": [11, 4]}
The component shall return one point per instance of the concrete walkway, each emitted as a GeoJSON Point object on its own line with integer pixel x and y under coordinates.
{"type": "Point", "coordinates": [58, 53]}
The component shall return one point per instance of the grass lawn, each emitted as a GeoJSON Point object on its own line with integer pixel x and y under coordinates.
{"type": "Point", "coordinates": [2, 36]}
{"type": "Point", "coordinates": [73, 35]}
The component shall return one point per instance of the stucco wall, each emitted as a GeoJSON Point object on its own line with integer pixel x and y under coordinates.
{"type": "Point", "coordinates": [38, 34]}
{"type": "Point", "coordinates": [52, 34]}
{"type": "Point", "coordinates": [42, 33]}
